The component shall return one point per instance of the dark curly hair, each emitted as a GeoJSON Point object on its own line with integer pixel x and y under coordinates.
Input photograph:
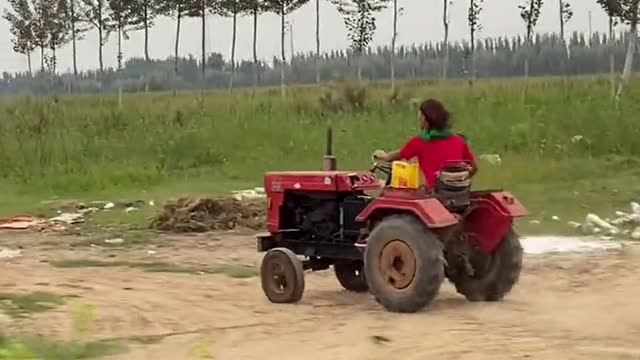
{"type": "Point", "coordinates": [435, 114]}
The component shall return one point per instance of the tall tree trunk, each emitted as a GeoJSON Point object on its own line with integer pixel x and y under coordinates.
{"type": "Point", "coordinates": [42, 58]}
{"type": "Point", "coordinates": [176, 54]}
{"type": "Point", "coordinates": [291, 50]}
{"type": "Point", "coordinates": [120, 47]}
{"type": "Point", "coordinates": [359, 57]}
{"type": "Point", "coordinates": [393, 45]}
{"type": "Point", "coordinates": [473, 44]}
{"type": "Point", "coordinates": [611, 35]}
{"type": "Point", "coordinates": [474, 70]}
{"type": "Point", "coordinates": [631, 49]}
{"type": "Point", "coordinates": [612, 58]}
{"type": "Point", "coordinates": [29, 63]}
{"type": "Point", "coordinates": [445, 23]}
{"type": "Point", "coordinates": [204, 37]}
{"type": "Point", "coordinates": [100, 38]}
{"type": "Point", "coordinates": [54, 59]}
{"type": "Point", "coordinates": [612, 73]}
{"type": "Point", "coordinates": [283, 59]}
{"type": "Point", "coordinates": [233, 50]}
{"type": "Point", "coordinates": [317, 62]}
{"type": "Point", "coordinates": [73, 36]}
{"type": "Point", "coordinates": [256, 69]}
{"type": "Point", "coordinates": [560, 2]}
{"type": "Point", "coordinates": [146, 31]}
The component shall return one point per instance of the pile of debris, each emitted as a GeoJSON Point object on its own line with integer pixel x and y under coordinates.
{"type": "Point", "coordinates": [68, 213]}
{"type": "Point", "coordinates": [58, 223]}
{"type": "Point", "coordinates": [625, 224]}
{"type": "Point", "coordinates": [205, 214]}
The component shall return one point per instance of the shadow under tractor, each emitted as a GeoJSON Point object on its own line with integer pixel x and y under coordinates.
{"type": "Point", "coordinates": [399, 244]}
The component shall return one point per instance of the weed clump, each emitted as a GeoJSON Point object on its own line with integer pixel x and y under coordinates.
{"type": "Point", "coordinates": [344, 95]}
{"type": "Point", "coordinates": [203, 214]}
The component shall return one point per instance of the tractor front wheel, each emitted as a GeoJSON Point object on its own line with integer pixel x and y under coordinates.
{"type": "Point", "coordinates": [351, 275]}
{"type": "Point", "coordinates": [282, 276]}
{"type": "Point", "coordinates": [489, 277]}
{"type": "Point", "coordinates": [404, 264]}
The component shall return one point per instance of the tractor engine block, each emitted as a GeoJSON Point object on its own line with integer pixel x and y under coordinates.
{"type": "Point", "coordinates": [323, 217]}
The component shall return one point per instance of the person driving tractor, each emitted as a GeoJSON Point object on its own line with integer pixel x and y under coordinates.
{"type": "Point", "coordinates": [434, 146]}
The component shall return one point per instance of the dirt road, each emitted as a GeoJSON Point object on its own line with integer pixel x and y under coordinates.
{"type": "Point", "coordinates": [565, 307]}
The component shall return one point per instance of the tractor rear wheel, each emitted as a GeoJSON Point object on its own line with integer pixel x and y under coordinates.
{"type": "Point", "coordinates": [497, 275]}
{"type": "Point", "coordinates": [351, 275]}
{"type": "Point", "coordinates": [404, 264]}
{"type": "Point", "coordinates": [282, 276]}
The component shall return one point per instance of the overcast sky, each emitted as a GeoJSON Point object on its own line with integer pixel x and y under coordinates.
{"type": "Point", "coordinates": [420, 22]}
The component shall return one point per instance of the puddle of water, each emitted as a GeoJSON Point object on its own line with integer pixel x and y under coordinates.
{"type": "Point", "coordinates": [560, 244]}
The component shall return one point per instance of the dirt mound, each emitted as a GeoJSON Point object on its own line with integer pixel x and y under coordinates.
{"type": "Point", "coordinates": [201, 215]}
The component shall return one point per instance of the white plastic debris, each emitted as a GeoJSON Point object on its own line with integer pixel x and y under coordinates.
{"type": "Point", "coordinates": [256, 193]}
{"type": "Point", "coordinates": [576, 138]}
{"type": "Point", "coordinates": [109, 205]}
{"type": "Point", "coordinates": [534, 222]}
{"type": "Point", "coordinates": [69, 218]}
{"type": "Point", "coordinates": [152, 203]}
{"type": "Point", "coordinates": [555, 218]}
{"type": "Point", "coordinates": [635, 235]}
{"type": "Point", "coordinates": [89, 210]}
{"type": "Point", "coordinates": [493, 159]}
{"type": "Point", "coordinates": [625, 224]}
{"type": "Point", "coordinates": [596, 220]}
{"type": "Point", "coordinates": [574, 224]}
{"type": "Point", "coordinates": [130, 209]}
{"type": "Point", "coordinates": [115, 241]}
{"type": "Point", "coordinates": [151, 252]}
{"type": "Point", "coordinates": [9, 254]}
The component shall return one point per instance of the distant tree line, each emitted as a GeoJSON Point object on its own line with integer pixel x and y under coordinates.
{"type": "Point", "coordinates": [42, 27]}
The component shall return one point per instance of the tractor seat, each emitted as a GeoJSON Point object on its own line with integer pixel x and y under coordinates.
{"type": "Point", "coordinates": [453, 187]}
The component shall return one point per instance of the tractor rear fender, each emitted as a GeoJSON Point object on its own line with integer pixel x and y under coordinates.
{"type": "Point", "coordinates": [491, 218]}
{"type": "Point", "coordinates": [503, 202]}
{"type": "Point", "coordinates": [430, 211]}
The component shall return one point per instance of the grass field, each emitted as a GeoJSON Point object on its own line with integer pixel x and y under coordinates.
{"type": "Point", "coordinates": [567, 148]}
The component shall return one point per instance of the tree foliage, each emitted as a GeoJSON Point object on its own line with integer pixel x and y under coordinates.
{"type": "Point", "coordinates": [21, 20]}
{"type": "Point", "coordinates": [566, 12]}
{"type": "Point", "coordinates": [475, 8]}
{"type": "Point", "coordinates": [530, 14]}
{"type": "Point", "coordinates": [623, 10]}
{"type": "Point", "coordinates": [360, 21]}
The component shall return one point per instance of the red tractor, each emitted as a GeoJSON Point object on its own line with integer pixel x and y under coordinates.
{"type": "Point", "coordinates": [399, 245]}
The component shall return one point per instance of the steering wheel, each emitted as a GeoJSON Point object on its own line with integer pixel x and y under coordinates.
{"type": "Point", "coordinates": [383, 168]}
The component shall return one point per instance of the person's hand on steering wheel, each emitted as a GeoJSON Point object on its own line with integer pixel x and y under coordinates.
{"type": "Point", "coordinates": [379, 155]}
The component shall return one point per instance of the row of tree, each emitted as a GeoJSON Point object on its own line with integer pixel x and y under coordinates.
{"type": "Point", "coordinates": [51, 24]}
{"type": "Point", "coordinates": [495, 57]}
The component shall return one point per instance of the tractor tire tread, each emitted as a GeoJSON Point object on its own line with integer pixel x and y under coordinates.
{"type": "Point", "coordinates": [428, 252]}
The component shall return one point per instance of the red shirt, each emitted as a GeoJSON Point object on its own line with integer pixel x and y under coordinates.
{"type": "Point", "coordinates": [434, 153]}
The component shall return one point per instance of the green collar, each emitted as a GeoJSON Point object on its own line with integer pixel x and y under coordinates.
{"type": "Point", "coordinates": [429, 135]}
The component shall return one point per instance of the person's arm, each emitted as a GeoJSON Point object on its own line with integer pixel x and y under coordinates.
{"type": "Point", "coordinates": [407, 152]}
{"type": "Point", "coordinates": [469, 156]}
{"type": "Point", "coordinates": [387, 156]}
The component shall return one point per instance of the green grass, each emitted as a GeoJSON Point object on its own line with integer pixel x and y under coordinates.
{"type": "Point", "coordinates": [231, 270]}
{"type": "Point", "coordinates": [19, 305]}
{"type": "Point", "coordinates": [159, 146]}
{"type": "Point", "coordinates": [38, 348]}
